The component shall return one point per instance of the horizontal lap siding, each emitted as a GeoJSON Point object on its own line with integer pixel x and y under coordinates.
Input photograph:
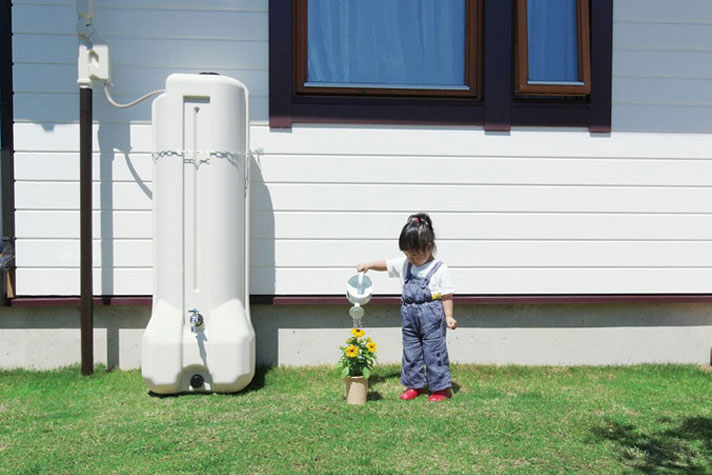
{"type": "Point", "coordinates": [475, 198]}
{"type": "Point", "coordinates": [536, 211]}
{"type": "Point", "coordinates": [148, 41]}
{"type": "Point", "coordinates": [340, 253]}
{"type": "Point", "coordinates": [662, 66]}
{"type": "Point", "coordinates": [506, 224]}
{"type": "Point", "coordinates": [501, 281]}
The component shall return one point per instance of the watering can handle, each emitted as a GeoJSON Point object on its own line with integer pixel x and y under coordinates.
{"type": "Point", "coordinates": [360, 281]}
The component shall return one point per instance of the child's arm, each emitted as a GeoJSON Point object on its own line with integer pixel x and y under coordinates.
{"type": "Point", "coordinates": [447, 309]}
{"type": "Point", "coordinates": [375, 265]}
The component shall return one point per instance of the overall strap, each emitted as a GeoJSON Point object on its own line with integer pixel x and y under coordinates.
{"type": "Point", "coordinates": [407, 272]}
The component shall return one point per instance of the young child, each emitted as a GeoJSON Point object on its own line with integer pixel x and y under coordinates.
{"type": "Point", "coordinates": [426, 309]}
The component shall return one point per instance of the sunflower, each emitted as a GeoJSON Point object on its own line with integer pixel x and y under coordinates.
{"type": "Point", "coordinates": [371, 346]}
{"type": "Point", "coordinates": [357, 332]}
{"type": "Point", "coordinates": [352, 351]}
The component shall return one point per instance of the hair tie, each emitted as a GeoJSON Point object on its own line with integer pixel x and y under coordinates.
{"type": "Point", "coordinates": [415, 220]}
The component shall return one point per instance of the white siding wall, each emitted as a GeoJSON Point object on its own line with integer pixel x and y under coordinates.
{"type": "Point", "coordinates": [532, 211]}
{"type": "Point", "coordinates": [662, 66]}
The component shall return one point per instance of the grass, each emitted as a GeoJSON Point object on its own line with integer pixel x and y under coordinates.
{"type": "Point", "coordinates": [649, 419]}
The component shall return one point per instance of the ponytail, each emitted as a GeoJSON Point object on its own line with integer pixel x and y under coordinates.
{"type": "Point", "coordinates": [417, 233]}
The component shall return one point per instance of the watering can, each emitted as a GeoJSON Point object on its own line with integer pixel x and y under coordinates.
{"type": "Point", "coordinates": [359, 289]}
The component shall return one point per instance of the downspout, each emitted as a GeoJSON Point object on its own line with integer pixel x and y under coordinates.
{"type": "Point", "coordinates": [85, 29]}
{"type": "Point", "coordinates": [85, 229]}
{"type": "Point", "coordinates": [92, 65]}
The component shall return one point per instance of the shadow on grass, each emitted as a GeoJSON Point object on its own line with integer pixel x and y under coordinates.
{"type": "Point", "coordinates": [686, 448]}
{"type": "Point", "coordinates": [383, 375]}
{"type": "Point", "coordinates": [257, 383]}
{"type": "Point", "coordinates": [374, 396]}
{"type": "Point", "coordinates": [258, 380]}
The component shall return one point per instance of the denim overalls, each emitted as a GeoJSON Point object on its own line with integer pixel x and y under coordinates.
{"type": "Point", "coordinates": [423, 335]}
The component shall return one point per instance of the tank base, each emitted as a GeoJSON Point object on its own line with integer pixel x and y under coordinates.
{"type": "Point", "coordinates": [218, 358]}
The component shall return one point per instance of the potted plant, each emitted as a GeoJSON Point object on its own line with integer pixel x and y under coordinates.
{"type": "Point", "coordinates": [357, 358]}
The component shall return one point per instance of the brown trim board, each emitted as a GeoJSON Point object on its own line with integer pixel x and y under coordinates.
{"type": "Point", "coordinates": [146, 300]}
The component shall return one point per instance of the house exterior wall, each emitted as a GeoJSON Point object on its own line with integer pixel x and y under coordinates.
{"type": "Point", "coordinates": [533, 211]}
{"type": "Point", "coordinates": [528, 212]}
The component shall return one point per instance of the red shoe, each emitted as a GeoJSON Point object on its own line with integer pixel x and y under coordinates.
{"type": "Point", "coordinates": [411, 393]}
{"type": "Point", "coordinates": [441, 395]}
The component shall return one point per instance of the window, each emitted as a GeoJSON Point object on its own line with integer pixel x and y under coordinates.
{"type": "Point", "coordinates": [553, 47]}
{"type": "Point", "coordinates": [307, 65]}
{"type": "Point", "coordinates": [397, 47]}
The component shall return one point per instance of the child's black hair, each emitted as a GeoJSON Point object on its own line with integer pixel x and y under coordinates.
{"type": "Point", "coordinates": [417, 233]}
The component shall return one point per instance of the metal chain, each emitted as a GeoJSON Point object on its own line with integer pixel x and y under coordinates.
{"type": "Point", "coordinates": [232, 157]}
{"type": "Point", "coordinates": [199, 153]}
{"type": "Point", "coordinates": [200, 157]}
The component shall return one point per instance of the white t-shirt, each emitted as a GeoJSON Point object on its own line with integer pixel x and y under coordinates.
{"type": "Point", "coordinates": [440, 282]}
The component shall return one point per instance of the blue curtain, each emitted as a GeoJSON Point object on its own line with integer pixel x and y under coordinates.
{"type": "Point", "coordinates": [553, 44]}
{"type": "Point", "coordinates": [386, 42]}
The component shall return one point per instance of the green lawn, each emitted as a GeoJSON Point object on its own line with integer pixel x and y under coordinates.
{"type": "Point", "coordinates": [650, 419]}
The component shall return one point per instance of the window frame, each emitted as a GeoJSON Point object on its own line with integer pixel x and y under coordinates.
{"type": "Point", "coordinates": [473, 44]}
{"type": "Point", "coordinates": [584, 55]}
{"type": "Point", "coordinates": [498, 107]}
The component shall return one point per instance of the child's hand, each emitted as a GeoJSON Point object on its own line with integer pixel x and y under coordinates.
{"type": "Point", "coordinates": [375, 265]}
{"type": "Point", "coordinates": [451, 323]}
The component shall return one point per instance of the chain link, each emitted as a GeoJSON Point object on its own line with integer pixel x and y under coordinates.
{"type": "Point", "coordinates": [201, 156]}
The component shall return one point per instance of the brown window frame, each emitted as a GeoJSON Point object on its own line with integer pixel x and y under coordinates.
{"type": "Point", "coordinates": [497, 108]}
{"type": "Point", "coordinates": [473, 45]}
{"type": "Point", "coordinates": [584, 55]}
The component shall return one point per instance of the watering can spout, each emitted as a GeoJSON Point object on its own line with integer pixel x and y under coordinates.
{"type": "Point", "coordinates": [358, 291]}
{"type": "Point", "coordinates": [356, 312]}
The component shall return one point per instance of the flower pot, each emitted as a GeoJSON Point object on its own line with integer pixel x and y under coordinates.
{"type": "Point", "coordinates": [356, 389]}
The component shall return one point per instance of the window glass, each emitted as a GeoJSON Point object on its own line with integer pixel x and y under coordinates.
{"type": "Point", "coordinates": [552, 38]}
{"type": "Point", "coordinates": [387, 43]}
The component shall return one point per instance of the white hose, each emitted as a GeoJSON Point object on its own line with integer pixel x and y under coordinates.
{"type": "Point", "coordinates": [130, 104]}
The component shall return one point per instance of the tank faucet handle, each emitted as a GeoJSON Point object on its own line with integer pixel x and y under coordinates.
{"type": "Point", "coordinates": [196, 319]}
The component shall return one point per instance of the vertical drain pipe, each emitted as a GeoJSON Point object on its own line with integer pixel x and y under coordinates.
{"type": "Point", "coordinates": [85, 229]}
{"type": "Point", "coordinates": [85, 30]}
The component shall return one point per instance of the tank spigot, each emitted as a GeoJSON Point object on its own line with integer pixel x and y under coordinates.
{"type": "Point", "coordinates": [196, 320]}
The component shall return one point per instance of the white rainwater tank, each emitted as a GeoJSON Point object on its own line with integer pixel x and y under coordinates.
{"type": "Point", "coordinates": [200, 337]}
